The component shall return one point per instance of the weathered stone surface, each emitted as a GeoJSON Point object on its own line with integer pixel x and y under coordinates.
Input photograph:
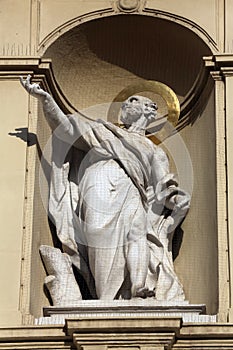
{"type": "Point", "coordinates": [60, 281]}
{"type": "Point", "coordinates": [116, 209]}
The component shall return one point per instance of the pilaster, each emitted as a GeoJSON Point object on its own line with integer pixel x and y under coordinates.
{"type": "Point", "coordinates": [221, 191]}
{"type": "Point", "coordinates": [228, 76]}
{"type": "Point", "coordinates": [223, 76]}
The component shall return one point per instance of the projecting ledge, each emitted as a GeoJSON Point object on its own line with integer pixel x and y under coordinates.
{"type": "Point", "coordinates": [139, 309]}
{"type": "Point", "coordinates": [128, 324]}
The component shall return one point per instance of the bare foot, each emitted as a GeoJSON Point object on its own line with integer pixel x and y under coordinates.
{"type": "Point", "coordinates": [144, 293]}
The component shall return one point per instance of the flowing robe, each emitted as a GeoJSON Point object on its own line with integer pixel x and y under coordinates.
{"type": "Point", "coordinates": [101, 204]}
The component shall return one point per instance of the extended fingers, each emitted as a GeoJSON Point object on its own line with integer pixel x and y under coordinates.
{"type": "Point", "coordinates": [26, 82]}
{"type": "Point", "coordinates": [183, 203]}
{"type": "Point", "coordinates": [21, 80]}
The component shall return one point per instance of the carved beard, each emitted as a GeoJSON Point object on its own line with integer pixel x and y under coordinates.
{"type": "Point", "coordinates": [132, 114]}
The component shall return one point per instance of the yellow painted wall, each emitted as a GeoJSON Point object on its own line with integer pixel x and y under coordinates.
{"type": "Point", "coordinates": [24, 26]}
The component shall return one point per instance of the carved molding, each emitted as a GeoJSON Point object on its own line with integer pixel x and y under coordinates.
{"type": "Point", "coordinates": [184, 22]}
{"type": "Point", "coordinates": [221, 64]}
{"type": "Point", "coordinates": [128, 6]}
{"type": "Point", "coordinates": [216, 75]}
{"type": "Point", "coordinates": [41, 71]}
{"type": "Point", "coordinates": [119, 7]}
{"type": "Point", "coordinates": [217, 68]}
{"type": "Point", "coordinates": [65, 27]}
{"type": "Point", "coordinates": [227, 71]}
{"type": "Point", "coordinates": [103, 334]}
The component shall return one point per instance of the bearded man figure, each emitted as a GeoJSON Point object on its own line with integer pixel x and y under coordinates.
{"type": "Point", "coordinates": [111, 206]}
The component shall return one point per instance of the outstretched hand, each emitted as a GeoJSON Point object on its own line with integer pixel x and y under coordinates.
{"type": "Point", "coordinates": [33, 89]}
{"type": "Point", "coordinates": [178, 201]}
{"type": "Point", "coordinates": [182, 202]}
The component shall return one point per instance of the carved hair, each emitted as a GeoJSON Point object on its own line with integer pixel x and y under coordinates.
{"type": "Point", "coordinates": [143, 100]}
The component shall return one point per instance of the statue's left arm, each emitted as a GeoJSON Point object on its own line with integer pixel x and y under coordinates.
{"type": "Point", "coordinates": [166, 186]}
{"type": "Point", "coordinates": [171, 205]}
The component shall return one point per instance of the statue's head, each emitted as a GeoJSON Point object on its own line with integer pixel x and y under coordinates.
{"type": "Point", "coordinates": [137, 106]}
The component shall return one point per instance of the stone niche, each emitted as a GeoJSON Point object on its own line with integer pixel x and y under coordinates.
{"type": "Point", "coordinates": [92, 63]}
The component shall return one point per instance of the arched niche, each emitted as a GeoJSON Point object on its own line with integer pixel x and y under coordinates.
{"type": "Point", "coordinates": [94, 61]}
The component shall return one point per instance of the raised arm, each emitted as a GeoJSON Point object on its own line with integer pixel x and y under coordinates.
{"type": "Point", "coordinates": [53, 114]}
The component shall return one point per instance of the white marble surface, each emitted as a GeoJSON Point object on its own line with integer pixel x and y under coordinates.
{"type": "Point", "coordinates": [116, 209]}
{"type": "Point", "coordinates": [131, 308]}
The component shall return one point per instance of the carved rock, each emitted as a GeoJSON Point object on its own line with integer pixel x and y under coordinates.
{"type": "Point", "coordinates": [60, 282]}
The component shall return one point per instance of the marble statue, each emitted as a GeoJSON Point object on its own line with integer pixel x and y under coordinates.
{"type": "Point", "coordinates": [114, 202]}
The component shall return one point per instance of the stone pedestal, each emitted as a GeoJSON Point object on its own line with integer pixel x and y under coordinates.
{"type": "Point", "coordinates": [122, 309]}
{"type": "Point", "coordinates": [129, 333]}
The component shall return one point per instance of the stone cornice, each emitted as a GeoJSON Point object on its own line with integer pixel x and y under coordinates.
{"type": "Point", "coordinates": [221, 65]}
{"type": "Point", "coordinates": [227, 71]}
{"type": "Point", "coordinates": [126, 324]}
{"type": "Point", "coordinates": [145, 332]}
{"type": "Point", "coordinates": [31, 332]}
{"type": "Point", "coordinates": [41, 71]}
{"type": "Point", "coordinates": [216, 75]}
{"type": "Point", "coordinates": [148, 333]}
{"type": "Point", "coordinates": [223, 60]}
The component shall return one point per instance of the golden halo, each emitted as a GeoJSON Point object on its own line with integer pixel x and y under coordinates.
{"type": "Point", "coordinates": [168, 95]}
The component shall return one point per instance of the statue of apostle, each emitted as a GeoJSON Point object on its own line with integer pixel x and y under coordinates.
{"type": "Point", "coordinates": [116, 207]}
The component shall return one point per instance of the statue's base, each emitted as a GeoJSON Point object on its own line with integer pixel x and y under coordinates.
{"type": "Point", "coordinates": [138, 308]}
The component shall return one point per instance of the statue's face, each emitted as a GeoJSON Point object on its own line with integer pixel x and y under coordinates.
{"type": "Point", "coordinates": [136, 106]}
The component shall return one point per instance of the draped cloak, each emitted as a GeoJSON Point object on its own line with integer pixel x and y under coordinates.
{"type": "Point", "coordinates": [99, 203]}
